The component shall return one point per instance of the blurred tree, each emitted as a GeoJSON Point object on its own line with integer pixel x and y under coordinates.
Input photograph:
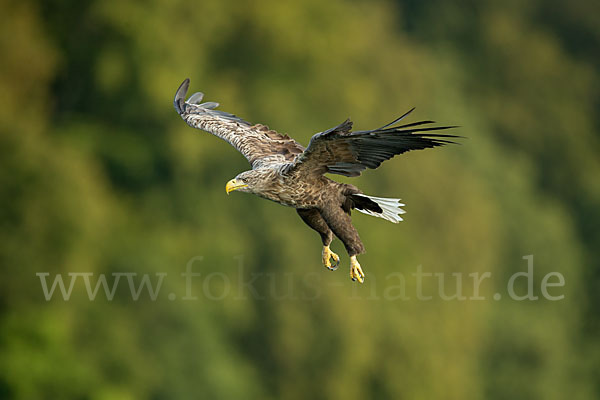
{"type": "Point", "coordinates": [100, 175]}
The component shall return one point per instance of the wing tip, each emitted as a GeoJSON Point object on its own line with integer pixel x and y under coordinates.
{"type": "Point", "coordinates": [179, 101]}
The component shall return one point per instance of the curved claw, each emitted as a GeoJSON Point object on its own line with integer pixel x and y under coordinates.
{"type": "Point", "coordinates": [329, 255]}
{"type": "Point", "coordinates": [356, 272]}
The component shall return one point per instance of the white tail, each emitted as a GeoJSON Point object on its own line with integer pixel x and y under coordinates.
{"type": "Point", "coordinates": [391, 208]}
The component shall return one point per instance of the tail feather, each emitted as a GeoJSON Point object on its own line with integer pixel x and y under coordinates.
{"type": "Point", "coordinates": [385, 208]}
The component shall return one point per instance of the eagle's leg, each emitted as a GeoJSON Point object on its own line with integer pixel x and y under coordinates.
{"type": "Point", "coordinates": [341, 224]}
{"type": "Point", "coordinates": [312, 218]}
{"type": "Point", "coordinates": [356, 272]}
{"type": "Point", "coordinates": [329, 255]}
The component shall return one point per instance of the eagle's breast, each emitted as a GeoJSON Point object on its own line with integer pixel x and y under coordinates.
{"type": "Point", "coordinates": [289, 190]}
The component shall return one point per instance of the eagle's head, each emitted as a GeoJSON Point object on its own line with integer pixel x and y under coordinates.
{"type": "Point", "coordinates": [248, 182]}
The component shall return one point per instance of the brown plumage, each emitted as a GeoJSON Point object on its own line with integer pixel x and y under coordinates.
{"type": "Point", "coordinates": [287, 173]}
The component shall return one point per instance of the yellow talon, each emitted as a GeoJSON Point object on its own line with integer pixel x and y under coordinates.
{"type": "Point", "coordinates": [327, 256]}
{"type": "Point", "coordinates": [356, 272]}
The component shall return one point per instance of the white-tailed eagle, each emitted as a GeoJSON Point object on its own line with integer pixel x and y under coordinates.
{"type": "Point", "coordinates": [287, 173]}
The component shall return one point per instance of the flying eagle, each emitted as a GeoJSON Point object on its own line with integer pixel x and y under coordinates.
{"type": "Point", "coordinates": [287, 173]}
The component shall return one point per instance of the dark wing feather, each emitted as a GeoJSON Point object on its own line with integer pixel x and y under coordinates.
{"type": "Point", "coordinates": [259, 144]}
{"type": "Point", "coordinates": [341, 151]}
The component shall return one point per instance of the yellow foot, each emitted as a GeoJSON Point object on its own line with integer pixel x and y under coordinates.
{"type": "Point", "coordinates": [329, 255]}
{"type": "Point", "coordinates": [356, 272]}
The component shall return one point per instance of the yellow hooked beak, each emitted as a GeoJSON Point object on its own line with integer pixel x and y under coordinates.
{"type": "Point", "coordinates": [233, 185]}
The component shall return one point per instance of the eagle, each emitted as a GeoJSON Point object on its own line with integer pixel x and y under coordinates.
{"type": "Point", "coordinates": [287, 173]}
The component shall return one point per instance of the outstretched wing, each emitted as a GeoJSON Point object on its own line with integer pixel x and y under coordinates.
{"type": "Point", "coordinates": [341, 151]}
{"type": "Point", "coordinates": [257, 143]}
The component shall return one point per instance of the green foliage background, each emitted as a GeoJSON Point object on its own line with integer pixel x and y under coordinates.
{"type": "Point", "coordinates": [99, 174]}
